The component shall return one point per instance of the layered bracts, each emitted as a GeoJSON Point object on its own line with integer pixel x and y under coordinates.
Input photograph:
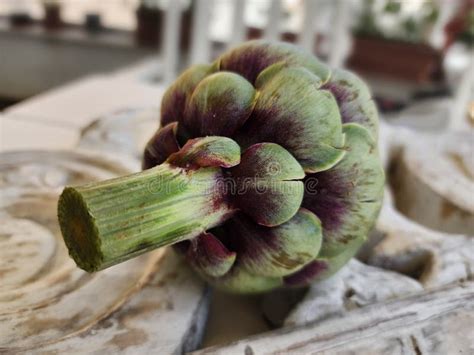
{"type": "Point", "coordinates": [264, 173]}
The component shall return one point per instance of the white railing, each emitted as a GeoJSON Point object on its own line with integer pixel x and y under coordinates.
{"type": "Point", "coordinates": [338, 36]}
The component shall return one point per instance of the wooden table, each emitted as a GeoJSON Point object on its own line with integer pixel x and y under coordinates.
{"type": "Point", "coordinates": [432, 313]}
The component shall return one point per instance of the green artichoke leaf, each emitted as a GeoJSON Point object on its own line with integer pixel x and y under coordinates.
{"type": "Point", "coordinates": [267, 74]}
{"type": "Point", "coordinates": [176, 97]}
{"type": "Point", "coordinates": [348, 197]}
{"type": "Point", "coordinates": [322, 267]}
{"type": "Point", "coordinates": [160, 146]}
{"type": "Point", "coordinates": [354, 100]}
{"type": "Point", "coordinates": [207, 152]}
{"type": "Point", "coordinates": [268, 184]}
{"type": "Point", "coordinates": [209, 256]}
{"type": "Point", "coordinates": [293, 112]}
{"type": "Point", "coordinates": [251, 58]}
{"type": "Point", "coordinates": [277, 251]}
{"type": "Point", "coordinates": [239, 280]}
{"type": "Point", "coordinates": [219, 105]}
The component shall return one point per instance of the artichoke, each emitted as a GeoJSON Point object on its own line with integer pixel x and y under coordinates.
{"type": "Point", "coordinates": [264, 173]}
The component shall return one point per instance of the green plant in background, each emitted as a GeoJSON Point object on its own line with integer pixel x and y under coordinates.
{"type": "Point", "coordinates": [264, 173]}
{"type": "Point", "coordinates": [409, 21]}
{"type": "Point", "coordinates": [467, 36]}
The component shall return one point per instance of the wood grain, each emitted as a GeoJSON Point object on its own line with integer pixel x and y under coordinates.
{"type": "Point", "coordinates": [432, 322]}
{"type": "Point", "coordinates": [47, 303]}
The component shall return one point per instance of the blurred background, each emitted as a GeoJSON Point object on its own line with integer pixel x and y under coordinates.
{"type": "Point", "coordinates": [414, 53]}
{"type": "Point", "coordinates": [91, 74]}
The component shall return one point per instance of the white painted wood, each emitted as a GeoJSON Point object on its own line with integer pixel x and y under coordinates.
{"type": "Point", "coordinates": [272, 30]}
{"type": "Point", "coordinates": [307, 36]}
{"type": "Point", "coordinates": [171, 40]}
{"type": "Point", "coordinates": [339, 34]}
{"type": "Point", "coordinates": [48, 305]}
{"type": "Point", "coordinates": [200, 41]}
{"type": "Point", "coordinates": [434, 173]}
{"type": "Point", "coordinates": [351, 288]}
{"type": "Point", "coordinates": [124, 132]}
{"type": "Point", "coordinates": [434, 258]}
{"type": "Point", "coordinates": [79, 103]}
{"type": "Point", "coordinates": [433, 322]}
{"type": "Point", "coordinates": [17, 133]}
{"type": "Point", "coordinates": [238, 23]}
{"type": "Point", "coordinates": [464, 95]}
{"type": "Point", "coordinates": [432, 177]}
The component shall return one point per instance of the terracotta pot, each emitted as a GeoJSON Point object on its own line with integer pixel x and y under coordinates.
{"type": "Point", "coordinates": [415, 62]}
{"type": "Point", "coordinates": [52, 17]}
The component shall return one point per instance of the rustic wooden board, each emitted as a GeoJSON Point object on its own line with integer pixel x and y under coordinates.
{"type": "Point", "coordinates": [433, 322]}
{"type": "Point", "coordinates": [17, 133]}
{"type": "Point", "coordinates": [123, 132]}
{"type": "Point", "coordinates": [433, 181]}
{"type": "Point", "coordinates": [47, 303]}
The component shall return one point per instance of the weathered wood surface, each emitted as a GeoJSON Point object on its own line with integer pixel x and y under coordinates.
{"type": "Point", "coordinates": [433, 181]}
{"type": "Point", "coordinates": [356, 286]}
{"type": "Point", "coordinates": [433, 322]}
{"type": "Point", "coordinates": [433, 258]}
{"type": "Point", "coordinates": [160, 305]}
{"type": "Point", "coordinates": [48, 304]}
{"type": "Point", "coordinates": [123, 132]}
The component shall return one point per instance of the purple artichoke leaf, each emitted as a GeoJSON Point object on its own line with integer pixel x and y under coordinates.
{"type": "Point", "coordinates": [277, 251]}
{"type": "Point", "coordinates": [354, 100]}
{"type": "Point", "coordinates": [307, 123]}
{"type": "Point", "coordinates": [219, 105]}
{"type": "Point", "coordinates": [207, 152]}
{"type": "Point", "coordinates": [176, 97]}
{"type": "Point", "coordinates": [209, 256]}
{"type": "Point", "coordinates": [323, 267]}
{"type": "Point", "coordinates": [239, 280]}
{"type": "Point", "coordinates": [347, 198]}
{"type": "Point", "coordinates": [251, 58]}
{"type": "Point", "coordinates": [269, 185]}
{"type": "Point", "coordinates": [161, 145]}
{"type": "Point", "coordinates": [307, 274]}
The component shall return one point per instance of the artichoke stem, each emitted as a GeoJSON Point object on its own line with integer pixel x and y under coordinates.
{"type": "Point", "coordinates": [105, 223]}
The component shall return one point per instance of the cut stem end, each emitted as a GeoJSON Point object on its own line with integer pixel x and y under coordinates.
{"type": "Point", "coordinates": [108, 222]}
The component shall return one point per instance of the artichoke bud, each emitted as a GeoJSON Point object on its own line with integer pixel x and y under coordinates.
{"type": "Point", "coordinates": [288, 149]}
{"type": "Point", "coordinates": [309, 183]}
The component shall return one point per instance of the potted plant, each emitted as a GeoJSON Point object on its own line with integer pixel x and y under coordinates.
{"type": "Point", "coordinates": [390, 39]}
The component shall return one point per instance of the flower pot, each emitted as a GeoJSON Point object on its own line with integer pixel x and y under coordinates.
{"type": "Point", "coordinates": [416, 62]}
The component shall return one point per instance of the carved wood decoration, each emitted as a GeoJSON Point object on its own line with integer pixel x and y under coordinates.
{"type": "Point", "coordinates": [433, 181]}
{"type": "Point", "coordinates": [410, 292]}
{"type": "Point", "coordinates": [48, 304]}
{"type": "Point", "coordinates": [124, 132]}
{"type": "Point", "coordinates": [435, 322]}
{"type": "Point", "coordinates": [403, 258]}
